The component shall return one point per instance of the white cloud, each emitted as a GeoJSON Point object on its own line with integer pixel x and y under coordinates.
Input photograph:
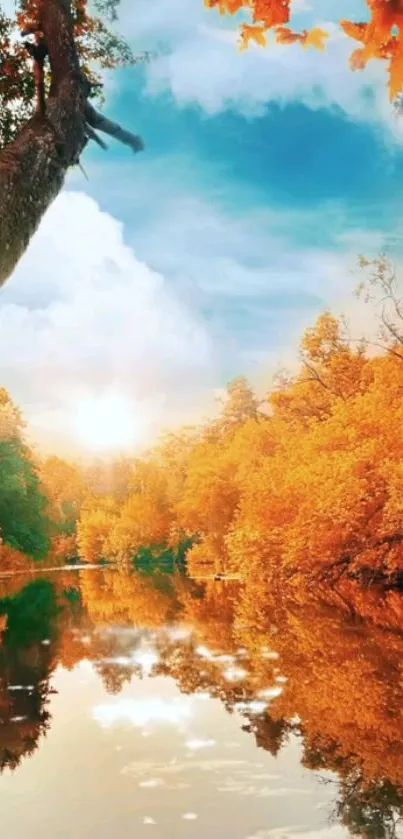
{"type": "Point", "coordinates": [302, 832]}
{"type": "Point", "coordinates": [226, 294]}
{"type": "Point", "coordinates": [235, 674]}
{"type": "Point", "coordinates": [197, 744]}
{"type": "Point", "coordinates": [262, 288]}
{"type": "Point", "coordinates": [250, 81]}
{"type": "Point", "coordinates": [199, 62]}
{"type": "Point", "coordinates": [137, 769]}
{"type": "Point", "coordinates": [161, 21]}
{"type": "Point", "coordinates": [152, 783]}
{"type": "Point", "coordinates": [139, 713]}
{"type": "Point", "coordinates": [146, 659]}
{"type": "Point", "coordinates": [82, 313]}
{"type": "Point", "coordinates": [273, 692]}
{"type": "Point", "coordinates": [245, 788]}
{"type": "Point", "coordinates": [253, 707]}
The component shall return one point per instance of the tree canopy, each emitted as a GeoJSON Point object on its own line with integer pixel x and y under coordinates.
{"type": "Point", "coordinates": [98, 47]}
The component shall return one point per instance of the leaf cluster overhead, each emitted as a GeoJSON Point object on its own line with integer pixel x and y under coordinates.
{"type": "Point", "coordinates": [379, 37]}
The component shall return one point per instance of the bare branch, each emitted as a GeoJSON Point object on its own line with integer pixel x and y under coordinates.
{"type": "Point", "coordinates": [92, 135]}
{"type": "Point", "coordinates": [107, 126]}
{"type": "Point", "coordinates": [318, 378]}
{"type": "Point", "coordinates": [390, 328]}
{"type": "Point", "coordinates": [383, 347]}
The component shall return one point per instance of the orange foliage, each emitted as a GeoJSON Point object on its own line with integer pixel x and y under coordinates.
{"type": "Point", "coordinates": [318, 661]}
{"type": "Point", "coordinates": [97, 519]}
{"type": "Point", "coordinates": [65, 489]}
{"type": "Point", "coordinates": [306, 486]}
{"type": "Point", "coordinates": [112, 530]}
{"type": "Point", "coordinates": [381, 37]}
{"type": "Point", "coordinates": [120, 598]}
{"type": "Point", "coordinates": [12, 560]}
{"type": "Point", "coordinates": [317, 672]}
{"type": "Point", "coordinates": [142, 522]}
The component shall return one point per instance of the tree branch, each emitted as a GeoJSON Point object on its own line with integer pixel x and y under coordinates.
{"type": "Point", "coordinates": [390, 328]}
{"type": "Point", "coordinates": [34, 165]}
{"type": "Point", "coordinates": [107, 126]}
{"type": "Point", "coordinates": [383, 347]}
{"type": "Point", "coordinates": [38, 52]}
{"type": "Point", "coordinates": [318, 378]}
{"type": "Point", "coordinates": [56, 23]}
{"type": "Point", "coordinates": [92, 135]}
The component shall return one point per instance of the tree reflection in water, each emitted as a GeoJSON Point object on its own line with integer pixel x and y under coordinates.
{"type": "Point", "coordinates": [297, 668]}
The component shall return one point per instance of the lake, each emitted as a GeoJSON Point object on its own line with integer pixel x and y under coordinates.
{"type": "Point", "coordinates": [137, 704]}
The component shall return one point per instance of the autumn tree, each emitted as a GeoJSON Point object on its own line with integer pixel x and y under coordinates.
{"type": "Point", "coordinates": [97, 519]}
{"type": "Point", "coordinates": [332, 370]}
{"type": "Point", "coordinates": [48, 52]}
{"type": "Point", "coordinates": [139, 514]}
{"type": "Point", "coordinates": [379, 286]}
{"type": "Point", "coordinates": [142, 522]}
{"type": "Point", "coordinates": [379, 36]}
{"type": "Point", "coordinates": [110, 478]}
{"type": "Point", "coordinates": [238, 404]}
{"type": "Point", "coordinates": [65, 488]}
{"type": "Point", "coordinates": [302, 488]}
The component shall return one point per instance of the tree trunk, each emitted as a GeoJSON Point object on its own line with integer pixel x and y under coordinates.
{"type": "Point", "coordinates": [33, 167]}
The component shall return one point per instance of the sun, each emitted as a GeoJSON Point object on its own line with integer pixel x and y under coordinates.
{"type": "Point", "coordinates": [106, 422]}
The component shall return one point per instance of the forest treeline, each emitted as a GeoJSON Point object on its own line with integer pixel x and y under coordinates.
{"type": "Point", "coordinates": [305, 484]}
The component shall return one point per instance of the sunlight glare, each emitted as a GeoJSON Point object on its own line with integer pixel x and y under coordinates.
{"type": "Point", "coordinates": [106, 422]}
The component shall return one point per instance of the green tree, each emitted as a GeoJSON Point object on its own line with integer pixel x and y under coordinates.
{"type": "Point", "coordinates": [24, 524]}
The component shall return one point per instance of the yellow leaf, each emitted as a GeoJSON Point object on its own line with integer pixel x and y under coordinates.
{"type": "Point", "coordinates": [253, 33]}
{"type": "Point", "coordinates": [316, 39]}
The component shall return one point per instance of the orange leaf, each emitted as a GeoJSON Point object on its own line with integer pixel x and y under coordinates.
{"type": "Point", "coordinates": [358, 31]}
{"type": "Point", "coordinates": [359, 59]}
{"type": "Point", "coordinates": [225, 7]}
{"type": "Point", "coordinates": [286, 36]}
{"type": "Point", "coordinates": [316, 39]}
{"type": "Point", "coordinates": [270, 13]}
{"type": "Point", "coordinates": [253, 33]}
{"type": "Point", "coordinates": [396, 73]}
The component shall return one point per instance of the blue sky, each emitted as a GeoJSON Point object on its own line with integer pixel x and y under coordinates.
{"type": "Point", "coordinates": [264, 175]}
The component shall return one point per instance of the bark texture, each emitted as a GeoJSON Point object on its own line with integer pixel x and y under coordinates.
{"type": "Point", "coordinates": [33, 167]}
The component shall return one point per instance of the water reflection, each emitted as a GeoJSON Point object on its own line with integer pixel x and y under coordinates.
{"type": "Point", "coordinates": [152, 702]}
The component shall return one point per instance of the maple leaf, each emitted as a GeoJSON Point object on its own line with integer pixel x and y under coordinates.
{"type": "Point", "coordinates": [253, 33]}
{"type": "Point", "coordinates": [225, 7]}
{"type": "Point", "coordinates": [315, 38]}
{"type": "Point", "coordinates": [270, 13]}
{"type": "Point", "coordinates": [358, 31]}
{"type": "Point", "coordinates": [359, 59]}
{"type": "Point", "coordinates": [286, 36]}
